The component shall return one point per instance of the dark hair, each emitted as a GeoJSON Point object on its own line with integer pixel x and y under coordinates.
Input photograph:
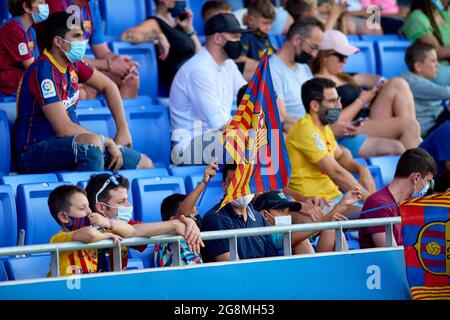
{"type": "Point", "coordinates": [228, 167]}
{"type": "Point", "coordinates": [314, 90]}
{"type": "Point", "coordinates": [241, 93]}
{"type": "Point", "coordinates": [298, 8]}
{"type": "Point", "coordinates": [57, 26]}
{"type": "Point", "coordinates": [97, 181]}
{"type": "Point", "coordinates": [442, 182]}
{"type": "Point", "coordinates": [59, 199]}
{"type": "Point", "coordinates": [214, 6]}
{"type": "Point", "coordinates": [263, 8]}
{"type": "Point", "coordinates": [415, 160]}
{"type": "Point", "coordinates": [170, 205]}
{"type": "Point", "coordinates": [417, 53]}
{"type": "Point", "coordinates": [304, 27]}
{"type": "Point", "coordinates": [15, 7]}
{"type": "Point", "coordinates": [427, 9]}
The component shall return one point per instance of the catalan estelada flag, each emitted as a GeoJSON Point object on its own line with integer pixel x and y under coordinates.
{"type": "Point", "coordinates": [426, 237]}
{"type": "Point", "coordinates": [254, 140]}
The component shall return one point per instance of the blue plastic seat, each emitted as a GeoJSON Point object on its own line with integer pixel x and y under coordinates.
{"type": "Point", "coordinates": [391, 57]}
{"type": "Point", "coordinates": [186, 171]}
{"type": "Point", "coordinates": [82, 104]}
{"type": "Point", "coordinates": [146, 256]}
{"type": "Point", "coordinates": [32, 267]}
{"type": "Point", "coordinates": [10, 108]}
{"type": "Point", "coordinates": [274, 40]}
{"type": "Point", "coordinates": [148, 193]}
{"type": "Point", "coordinates": [3, 274]}
{"type": "Point", "coordinates": [388, 165]}
{"type": "Point", "coordinates": [145, 55]}
{"type": "Point", "coordinates": [74, 177]}
{"type": "Point", "coordinates": [118, 17]}
{"type": "Point", "coordinates": [379, 37]}
{"type": "Point", "coordinates": [8, 217]}
{"type": "Point", "coordinates": [135, 264]}
{"type": "Point", "coordinates": [5, 144]}
{"type": "Point", "coordinates": [364, 61]}
{"type": "Point", "coordinates": [99, 120]}
{"type": "Point", "coordinates": [150, 7]}
{"type": "Point", "coordinates": [15, 180]}
{"type": "Point", "coordinates": [139, 101]}
{"type": "Point", "coordinates": [4, 13]}
{"type": "Point", "coordinates": [33, 214]}
{"type": "Point", "coordinates": [212, 194]}
{"type": "Point", "coordinates": [150, 129]}
{"type": "Point", "coordinates": [235, 4]}
{"type": "Point", "coordinates": [374, 170]}
{"type": "Point", "coordinates": [353, 37]}
{"type": "Point", "coordinates": [196, 7]}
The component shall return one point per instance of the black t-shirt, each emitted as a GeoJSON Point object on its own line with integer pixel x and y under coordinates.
{"type": "Point", "coordinates": [182, 48]}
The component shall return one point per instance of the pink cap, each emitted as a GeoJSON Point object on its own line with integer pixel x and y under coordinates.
{"type": "Point", "coordinates": [337, 41]}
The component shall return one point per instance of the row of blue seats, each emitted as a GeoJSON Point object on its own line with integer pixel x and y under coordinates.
{"type": "Point", "coordinates": [29, 193]}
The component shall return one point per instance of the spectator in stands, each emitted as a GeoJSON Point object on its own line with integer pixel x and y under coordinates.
{"type": "Point", "coordinates": [108, 195]}
{"type": "Point", "coordinates": [47, 134]}
{"type": "Point", "coordinates": [423, 66]}
{"type": "Point", "coordinates": [18, 47]}
{"type": "Point", "coordinates": [278, 210]}
{"type": "Point", "coordinates": [289, 67]}
{"type": "Point", "coordinates": [171, 23]}
{"type": "Point", "coordinates": [259, 18]}
{"type": "Point", "coordinates": [203, 92]}
{"type": "Point", "coordinates": [213, 7]}
{"type": "Point", "coordinates": [415, 170]}
{"type": "Point", "coordinates": [238, 214]}
{"type": "Point", "coordinates": [429, 22]}
{"type": "Point", "coordinates": [320, 166]}
{"type": "Point", "coordinates": [438, 145]}
{"type": "Point", "coordinates": [388, 105]}
{"type": "Point", "coordinates": [69, 207]}
{"type": "Point", "coordinates": [120, 69]}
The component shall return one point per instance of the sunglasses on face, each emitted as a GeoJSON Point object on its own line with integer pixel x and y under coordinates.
{"type": "Point", "coordinates": [341, 57]}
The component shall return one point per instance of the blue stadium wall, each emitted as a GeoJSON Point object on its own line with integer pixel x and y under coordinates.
{"type": "Point", "coordinates": [359, 274]}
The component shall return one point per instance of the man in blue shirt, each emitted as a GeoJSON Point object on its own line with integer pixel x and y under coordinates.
{"type": "Point", "coordinates": [238, 214]}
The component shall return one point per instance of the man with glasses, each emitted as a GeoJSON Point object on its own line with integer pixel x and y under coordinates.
{"type": "Point", "coordinates": [319, 166]}
{"type": "Point", "coordinates": [108, 195]}
{"type": "Point", "coordinates": [289, 67]}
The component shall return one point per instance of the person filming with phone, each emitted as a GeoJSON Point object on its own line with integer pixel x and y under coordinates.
{"type": "Point", "coordinates": [386, 104]}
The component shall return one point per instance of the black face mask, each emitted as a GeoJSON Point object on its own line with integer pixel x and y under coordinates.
{"type": "Point", "coordinates": [303, 57]}
{"type": "Point", "coordinates": [233, 49]}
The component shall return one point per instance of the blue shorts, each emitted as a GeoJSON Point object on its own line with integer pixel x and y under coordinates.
{"type": "Point", "coordinates": [353, 143]}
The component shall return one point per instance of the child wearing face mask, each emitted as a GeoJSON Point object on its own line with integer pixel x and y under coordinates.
{"type": "Point", "coordinates": [18, 48]}
{"type": "Point", "coordinates": [259, 19]}
{"type": "Point", "coordinates": [69, 206]}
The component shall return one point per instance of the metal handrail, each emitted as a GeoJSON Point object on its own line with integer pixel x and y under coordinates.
{"type": "Point", "coordinates": [233, 234]}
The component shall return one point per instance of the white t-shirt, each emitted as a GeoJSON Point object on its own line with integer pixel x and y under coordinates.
{"type": "Point", "coordinates": [288, 85]}
{"type": "Point", "coordinates": [203, 91]}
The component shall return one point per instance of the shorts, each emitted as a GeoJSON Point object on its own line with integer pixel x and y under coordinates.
{"type": "Point", "coordinates": [353, 143]}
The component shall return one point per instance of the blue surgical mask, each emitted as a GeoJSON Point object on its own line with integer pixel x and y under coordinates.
{"type": "Point", "coordinates": [123, 213]}
{"type": "Point", "coordinates": [77, 223]}
{"type": "Point", "coordinates": [330, 116]}
{"type": "Point", "coordinates": [421, 193]}
{"type": "Point", "coordinates": [438, 5]}
{"type": "Point", "coordinates": [42, 15]}
{"type": "Point", "coordinates": [178, 9]}
{"type": "Point", "coordinates": [77, 50]}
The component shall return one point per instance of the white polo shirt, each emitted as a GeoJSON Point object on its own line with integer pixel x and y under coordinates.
{"type": "Point", "coordinates": [203, 91]}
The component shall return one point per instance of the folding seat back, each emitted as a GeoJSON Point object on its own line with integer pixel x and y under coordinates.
{"type": "Point", "coordinates": [196, 7]}
{"type": "Point", "coordinates": [186, 171]}
{"type": "Point", "coordinates": [5, 144]}
{"type": "Point", "coordinates": [364, 61]}
{"type": "Point", "coordinates": [146, 256]}
{"type": "Point", "coordinates": [8, 217]}
{"type": "Point", "coordinates": [212, 194]}
{"type": "Point", "coordinates": [391, 57]}
{"type": "Point", "coordinates": [99, 120]}
{"type": "Point", "coordinates": [119, 16]}
{"type": "Point", "coordinates": [148, 193]}
{"type": "Point", "coordinates": [387, 165]}
{"type": "Point", "coordinates": [3, 274]}
{"type": "Point", "coordinates": [16, 180]}
{"type": "Point", "coordinates": [235, 4]}
{"type": "Point", "coordinates": [74, 177]}
{"type": "Point", "coordinates": [83, 104]}
{"type": "Point", "coordinates": [31, 267]}
{"type": "Point", "coordinates": [376, 37]}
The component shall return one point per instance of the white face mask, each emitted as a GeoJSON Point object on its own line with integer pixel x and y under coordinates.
{"type": "Point", "coordinates": [283, 220]}
{"type": "Point", "coordinates": [242, 202]}
{"type": "Point", "coordinates": [123, 213]}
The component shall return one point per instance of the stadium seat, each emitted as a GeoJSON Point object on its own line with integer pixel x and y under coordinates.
{"type": "Point", "coordinates": [15, 180]}
{"type": "Point", "coordinates": [235, 4]}
{"type": "Point", "coordinates": [74, 177]}
{"type": "Point", "coordinates": [83, 104]}
{"type": "Point", "coordinates": [118, 17]}
{"type": "Point", "coordinates": [33, 214]}
{"type": "Point", "coordinates": [150, 7]}
{"type": "Point", "coordinates": [150, 129]}
{"type": "Point", "coordinates": [380, 37]}
{"type": "Point", "coordinates": [353, 37]}
{"type": "Point", "coordinates": [185, 171]}
{"type": "Point", "coordinates": [148, 194]}
{"type": "Point", "coordinates": [387, 164]}
{"type": "Point", "coordinates": [139, 101]}
{"type": "Point", "coordinates": [146, 256]}
{"type": "Point", "coordinates": [5, 144]}
{"type": "Point", "coordinates": [196, 7]}
{"type": "Point", "coordinates": [98, 120]}
{"type": "Point", "coordinates": [4, 13]}
{"type": "Point", "coordinates": [374, 170]}
{"type": "Point", "coordinates": [145, 55]}
{"type": "Point", "coordinates": [353, 245]}
{"type": "Point", "coordinates": [145, 173]}
{"type": "Point", "coordinates": [8, 217]}
{"type": "Point", "coordinates": [32, 267]}
{"type": "Point", "coordinates": [273, 38]}
{"type": "Point", "coordinates": [364, 61]}
{"type": "Point", "coordinates": [3, 274]}
{"type": "Point", "coordinates": [10, 108]}
{"type": "Point", "coordinates": [135, 264]}
{"type": "Point", "coordinates": [212, 194]}
{"type": "Point", "coordinates": [391, 57]}
{"type": "Point", "coordinates": [8, 99]}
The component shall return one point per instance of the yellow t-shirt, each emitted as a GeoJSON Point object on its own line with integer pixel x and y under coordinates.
{"type": "Point", "coordinates": [307, 145]}
{"type": "Point", "coordinates": [75, 262]}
